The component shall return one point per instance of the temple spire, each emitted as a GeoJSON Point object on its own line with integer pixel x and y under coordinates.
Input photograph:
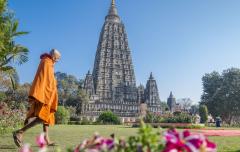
{"type": "Point", "coordinates": [112, 13]}
{"type": "Point", "coordinates": [151, 76]}
{"type": "Point", "coordinates": [113, 2]}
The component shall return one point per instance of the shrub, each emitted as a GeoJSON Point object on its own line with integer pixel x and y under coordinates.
{"type": "Point", "coordinates": [181, 118]}
{"type": "Point", "coordinates": [108, 117]}
{"type": "Point", "coordinates": [2, 96]}
{"type": "Point", "coordinates": [169, 118]}
{"type": "Point", "coordinates": [85, 121]}
{"type": "Point", "coordinates": [74, 120]}
{"type": "Point", "coordinates": [62, 115]}
{"type": "Point", "coordinates": [10, 119]}
{"type": "Point", "coordinates": [203, 112]}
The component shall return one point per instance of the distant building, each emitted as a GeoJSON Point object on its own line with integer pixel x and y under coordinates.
{"type": "Point", "coordinates": [171, 102]}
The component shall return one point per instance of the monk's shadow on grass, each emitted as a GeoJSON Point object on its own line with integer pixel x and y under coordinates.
{"type": "Point", "coordinates": [125, 127]}
{"type": "Point", "coordinates": [5, 147]}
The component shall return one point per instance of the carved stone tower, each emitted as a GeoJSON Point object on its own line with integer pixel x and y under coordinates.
{"type": "Point", "coordinates": [141, 98]}
{"type": "Point", "coordinates": [112, 85]}
{"type": "Point", "coordinates": [171, 102]}
{"type": "Point", "coordinates": [151, 92]}
{"type": "Point", "coordinates": [88, 84]}
{"type": "Point", "coordinates": [113, 72]}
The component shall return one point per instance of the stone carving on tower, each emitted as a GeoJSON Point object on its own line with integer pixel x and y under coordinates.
{"type": "Point", "coordinates": [141, 97]}
{"type": "Point", "coordinates": [88, 85]}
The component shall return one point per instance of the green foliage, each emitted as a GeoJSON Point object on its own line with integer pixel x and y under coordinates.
{"type": "Point", "coordinates": [150, 118]}
{"type": "Point", "coordinates": [62, 115]}
{"type": "Point", "coordinates": [169, 118]}
{"type": "Point", "coordinates": [164, 105]}
{"type": "Point", "coordinates": [5, 82]}
{"type": "Point", "coordinates": [85, 121]}
{"type": "Point", "coordinates": [75, 134]}
{"type": "Point", "coordinates": [108, 117]}
{"type": "Point", "coordinates": [203, 112]}
{"type": "Point", "coordinates": [10, 52]}
{"type": "Point", "coordinates": [181, 118]}
{"type": "Point", "coordinates": [10, 119]}
{"type": "Point", "coordinates": [221, 94]}
{"type": "Point", "coordinates": [2, 96]}
{"type": "Point", "coordinates": [146, 139]}
{"type": "Point", "coordinates": [191, 126]}
{"type": "Point", "coordinates": [2, 6]}
{"type": "Point", "coordinates": [70, 91]}
{"type": "Point", "coordinates": [19, 97]}
{"type": "Point", "coordinates": [194, 109]}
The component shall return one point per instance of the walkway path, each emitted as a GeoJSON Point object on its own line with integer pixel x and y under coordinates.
{"type": "Point", "coordinates": [219, 132]}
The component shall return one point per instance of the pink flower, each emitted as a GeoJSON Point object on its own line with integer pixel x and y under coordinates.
{"type": "Point", "coordinates": [96, 144]}
{"type": "Point", "coordinates": [25, 148]}
{"type": "Point", "coordinates": [185, 141]}
{"type": "Point", "coordinates": [102, 144]}
{"type": "Point", "coordinates": [40, 140]}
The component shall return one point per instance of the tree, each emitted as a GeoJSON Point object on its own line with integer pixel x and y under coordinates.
{"type": "Point", "coordinates": [5, 82]}
{"type": "Point", "coordinates": [77, 101]}
{"type": "Point", "coordinates": [70, 91]}
{"type": "Point", "coordinates": [194, 109]}
{"type": "Point", "coordinates": [67, 86]}
{"type": "Point", "coordinates": [212, 83]}
{"type": "Point", "coordinates": [164, 105]}
{"type": "Point", "coordinates": [18, 98]}
{"type": "Point", "coordinates": [2, 10]}
{"type": "Point", "coordinates": [221, 94]}
{"type": "Point", "coordinates": [185, 103]}
{"type": "Point", "coordinates": [62, 115]}
{"type": "Point", "coordinates": [108, 117]}
{"type": "Point", "coordinates": [203, 112]}
{"type": "Point", "coordinates": [10, 52]}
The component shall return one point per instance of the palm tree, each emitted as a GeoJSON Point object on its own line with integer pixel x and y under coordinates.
{"type": "Point", "coordinates": [10, 52]}
{"type": "Point", "coordinates": [2, 10]}
{"type": "Point", "coordinates": [2, 5]}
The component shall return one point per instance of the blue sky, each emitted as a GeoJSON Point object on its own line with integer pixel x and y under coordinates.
{"type": "Point", "coordinates": [178, 40]}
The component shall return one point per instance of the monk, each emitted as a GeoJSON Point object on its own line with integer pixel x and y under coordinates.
{"type": "Point", "coordinates": [43, 98]}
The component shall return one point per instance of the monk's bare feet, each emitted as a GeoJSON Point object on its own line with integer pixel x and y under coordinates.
{"type": "Point", "coordinates": [48, 142]}
{"type": "Point", "coordinates": [17, 137]}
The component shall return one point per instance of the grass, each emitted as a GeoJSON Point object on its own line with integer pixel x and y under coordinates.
{"type": "Point", "coordinates": [71, 135]}
{"type": "Point", "coordinates": [226, 144]}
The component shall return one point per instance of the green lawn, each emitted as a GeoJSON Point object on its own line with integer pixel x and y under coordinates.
{"type": "Point", "coordinates": [71, 135]}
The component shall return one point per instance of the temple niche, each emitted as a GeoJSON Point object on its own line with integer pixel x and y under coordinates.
{"type": "Point", "coordinates": [112, 83]}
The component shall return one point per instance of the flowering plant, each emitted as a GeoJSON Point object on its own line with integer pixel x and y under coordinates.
{"type": "Point", "coordinates": [97, 143]}
{"type": "Point", "coordinates": [10, 118]}
{"type": "Point", "coordinates": [187, 142]}
{"type": "Point", "coordinates": [147, 140]}
{"type": "Point", "coordinates": [40, 141]}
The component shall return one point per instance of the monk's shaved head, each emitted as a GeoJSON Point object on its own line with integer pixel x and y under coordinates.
{"type": "Point", "coordinates": [55, 54]}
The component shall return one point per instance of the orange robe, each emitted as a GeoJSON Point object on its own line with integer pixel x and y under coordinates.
{"type": "Point", "coordinates": [43, 92]}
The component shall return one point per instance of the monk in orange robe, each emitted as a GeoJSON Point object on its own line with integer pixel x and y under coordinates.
{"type": "Point", "coordinates": [43, 98]}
